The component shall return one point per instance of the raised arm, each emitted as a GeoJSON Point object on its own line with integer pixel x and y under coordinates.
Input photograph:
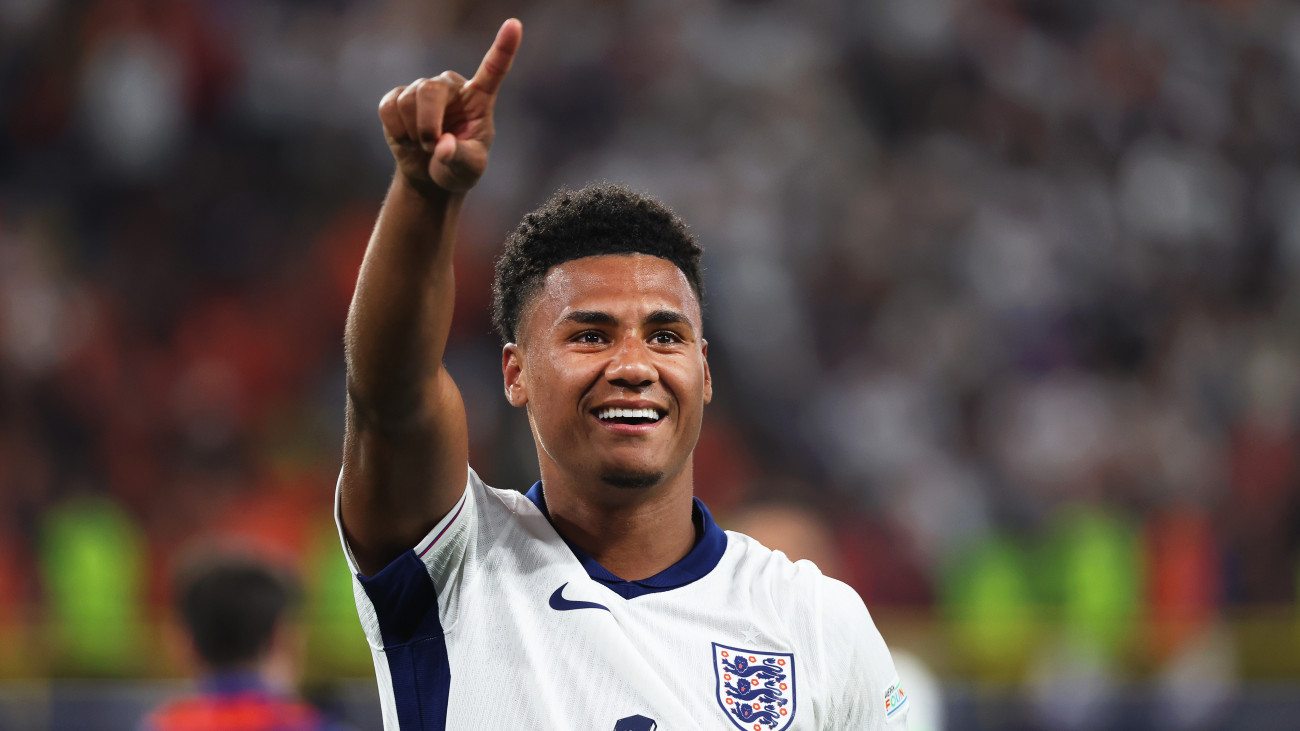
{"type": "Point", "coordinates": [406, 448]}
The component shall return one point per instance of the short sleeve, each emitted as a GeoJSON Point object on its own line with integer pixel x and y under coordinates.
{"type": "Point", "coordinates": [408, 608]}
{"type": "Point", "coordinates": [431, 574]}
{"type": "Point", "coordinates": [866, 692]}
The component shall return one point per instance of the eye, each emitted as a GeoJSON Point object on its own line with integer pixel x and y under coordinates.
{"type": "Point", "coordinates": [665, 337]}
{"type": "Point", "coordinates": [589, 337]}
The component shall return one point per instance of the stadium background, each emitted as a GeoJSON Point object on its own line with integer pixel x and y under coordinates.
{"type": "Point", "coordinates": [1003, 319]}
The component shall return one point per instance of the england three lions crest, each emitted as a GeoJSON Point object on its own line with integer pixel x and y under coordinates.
{"type": "Point", "coordinates": [755, 689]}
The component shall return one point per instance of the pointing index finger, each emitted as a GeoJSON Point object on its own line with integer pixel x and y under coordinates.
{"type": "Point", "coordinates": [496, 64]}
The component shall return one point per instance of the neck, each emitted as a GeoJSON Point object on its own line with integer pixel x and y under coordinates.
{"type": "Point", "coordinates": [633, 532]}
{"type": "Point", "coordinates": [275, 670]}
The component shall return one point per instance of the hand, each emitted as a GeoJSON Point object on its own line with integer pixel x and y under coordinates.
{"type": "Point", "coordinates": [440, 129]}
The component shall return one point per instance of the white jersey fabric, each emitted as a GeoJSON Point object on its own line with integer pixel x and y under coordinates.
{"type": "Point", "coordinates": [493, 621]}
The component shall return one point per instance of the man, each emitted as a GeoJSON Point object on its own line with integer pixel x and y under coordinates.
{"type": "Point", "coordinates": [606, 598]}
{"type": "Point", "coordinates": [234, 610]}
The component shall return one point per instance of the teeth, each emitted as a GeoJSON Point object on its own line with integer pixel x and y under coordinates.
{"type": "Point", "coordinates": [613, 413]}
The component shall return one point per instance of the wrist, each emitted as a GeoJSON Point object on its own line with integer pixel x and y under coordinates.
{"type": "Point", "coordinates": [425, 192]}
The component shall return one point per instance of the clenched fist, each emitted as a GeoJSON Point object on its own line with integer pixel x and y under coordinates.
{"type": "Point", "coordinates": [440, 129]}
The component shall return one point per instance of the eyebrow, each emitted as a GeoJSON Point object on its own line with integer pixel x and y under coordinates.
{"type": "Point", "coordinates": [590, 317]}
{"type": "Point", "coordinates": [666, 317]}
{"type": "Point", "coordinates": [596, 317]}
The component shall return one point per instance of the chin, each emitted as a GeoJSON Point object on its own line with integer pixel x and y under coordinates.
{"type": "Point", "coordinates": [628, 479]}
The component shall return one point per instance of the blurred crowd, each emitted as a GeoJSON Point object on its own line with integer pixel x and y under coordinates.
{"type": "Point", "coordinates": [1000, 291]}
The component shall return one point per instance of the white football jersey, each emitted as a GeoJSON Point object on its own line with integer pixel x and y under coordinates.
{"type": "Point", "coordinates": [494, 622]}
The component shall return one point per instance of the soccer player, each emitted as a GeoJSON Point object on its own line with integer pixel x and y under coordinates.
{"type": "Point", "coordinates": [234, 610]}
{"type": "Point", "coordinates": [606, 598]}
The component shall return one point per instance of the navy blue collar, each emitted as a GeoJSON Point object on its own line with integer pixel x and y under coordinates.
{"type": "Point", "coordinates": [695, 565]}
{"type": "Point", "coordinates": [233, 682]}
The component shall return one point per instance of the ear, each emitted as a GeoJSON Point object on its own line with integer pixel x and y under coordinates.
{"type": "Point", "coordinates": [512, 371]}
{"type": "Point", "coordinates": [708, 379]}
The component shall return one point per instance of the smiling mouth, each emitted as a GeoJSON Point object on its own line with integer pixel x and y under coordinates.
{"type": "Point", "coordinates": [629, 417]}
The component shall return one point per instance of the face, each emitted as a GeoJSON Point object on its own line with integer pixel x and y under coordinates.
{"type": "Point", "coordinates": [613, 369]}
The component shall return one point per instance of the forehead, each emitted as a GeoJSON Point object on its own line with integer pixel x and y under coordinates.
{"type": "Point", "coordinates": [627, 286]}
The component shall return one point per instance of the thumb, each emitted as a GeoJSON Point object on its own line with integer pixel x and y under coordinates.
{"type": "Point", "coordinates": [457, 164]}
{"type": "Point", "coordinates": [445, 150]}
{"type": "Point", "coordinates": [464, 158]}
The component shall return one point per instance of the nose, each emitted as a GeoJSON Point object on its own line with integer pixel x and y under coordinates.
{"type": "Point", "coordinates": [631, 365]}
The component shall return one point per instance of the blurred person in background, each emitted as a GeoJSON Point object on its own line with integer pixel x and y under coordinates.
{"type": "Point", "coordinates": [793, 529]}
{"type": "Point", "coordinates": [237, 612]}
{"type": "Point", "coordinates": [803, 534]}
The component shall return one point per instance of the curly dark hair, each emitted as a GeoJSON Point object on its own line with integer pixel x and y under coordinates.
{"type": "Point", "coordinates": [601, 218]}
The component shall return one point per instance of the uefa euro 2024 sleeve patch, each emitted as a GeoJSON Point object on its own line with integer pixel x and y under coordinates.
{"type": "Point", "coordinates": [755, 689]}
{"type": "Point", "coordinates": [894, 699]}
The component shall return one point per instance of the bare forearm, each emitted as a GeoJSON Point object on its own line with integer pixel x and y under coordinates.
{"type": "Point", "coordinates": [401, 312]}
{"type": "Point", "coordinates": [406, 445]}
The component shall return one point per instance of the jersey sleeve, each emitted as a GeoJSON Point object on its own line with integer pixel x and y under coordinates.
{"type": "Point", "coordinates": [866, 692]}
{"type": "Point", "coordinates": [407, 608]}
{"type": "Point", "coordinates": [423, 585]}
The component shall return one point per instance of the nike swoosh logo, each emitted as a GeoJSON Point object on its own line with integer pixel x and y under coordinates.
{"type": "Point", "coordinates": [560, 604]}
